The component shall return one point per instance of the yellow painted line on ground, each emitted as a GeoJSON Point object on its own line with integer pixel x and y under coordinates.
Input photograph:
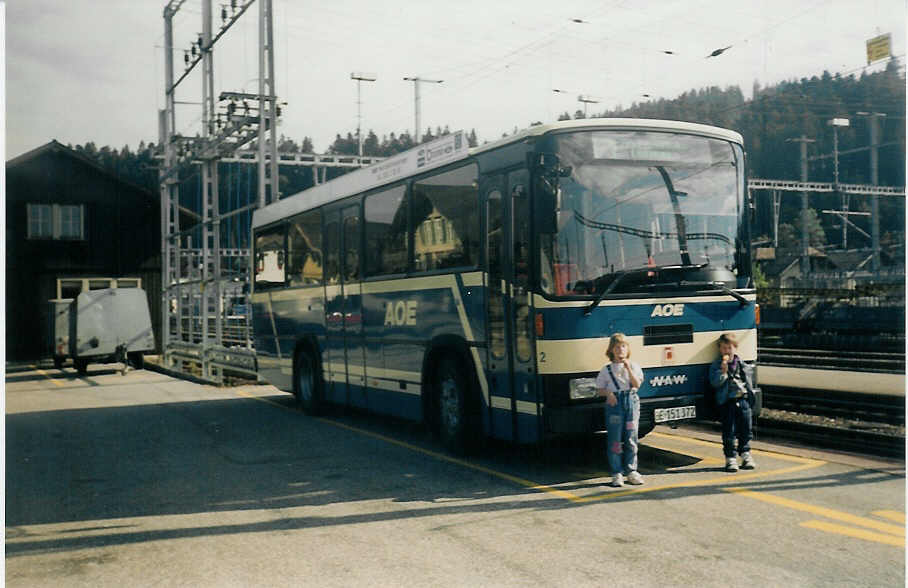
{"type": "Point", "coordinates": [803, 464]}
{"type": "Point", "coordinates": [822, 511]}
{"type": "Point", "coordinates": [725, 479]}
{"type": "Point", "coordinates": [434, 454]}
{"type": "Point", "coordinates": [892, 515]}
{"type": "Point", "coordinates": [772, 454]}
{"type": "Point", "coordinates": [46, 375]}
{"type": "Point", "coordinates": [853, 532]}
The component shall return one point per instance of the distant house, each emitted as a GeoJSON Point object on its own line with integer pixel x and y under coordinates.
{"type": "Point", "coordinates": [70, 224]}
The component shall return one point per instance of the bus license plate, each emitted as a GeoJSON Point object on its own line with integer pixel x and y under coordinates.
{"type": "Point", "coordinates": [675, 413]}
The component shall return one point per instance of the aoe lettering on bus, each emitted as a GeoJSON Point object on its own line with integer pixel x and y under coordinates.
{"type": "Point", "coordinates": [667, 310]}
{"type": "Point", "coordinates": [401, 313]}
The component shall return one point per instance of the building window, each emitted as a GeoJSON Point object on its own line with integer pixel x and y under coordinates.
{"type": "Point", "coordinates": [56, 221]}
{"type": "Point", "coordinates": [71, 222]}
{"type": "Point", "coordinates": [40, 221]}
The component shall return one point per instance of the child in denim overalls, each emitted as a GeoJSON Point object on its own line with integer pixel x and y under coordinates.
{"type": "Point", "coordinates": [728, 375]}
{"type": "Point", "coordinates": [618, 382]}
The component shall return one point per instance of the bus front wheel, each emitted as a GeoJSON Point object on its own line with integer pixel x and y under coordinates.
{"type": "Point", "coordinates": [305, 385]}
{"type": "Point", "coordinates": [457, 422]}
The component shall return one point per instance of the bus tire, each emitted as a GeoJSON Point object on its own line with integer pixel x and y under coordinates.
{"type": "Point", "coordinates": [306, 383]}
{"type": "Point", "coordinates": [457, 417]}
{"type": "Point", "coordinates": [136, 359]}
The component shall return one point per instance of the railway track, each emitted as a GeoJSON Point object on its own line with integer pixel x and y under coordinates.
{"type": "Point", "coordinates": [858, 385]}
{"type": "Point", "coordinates": [829, 403]}
{"type": "Point", "coordinates": [823, 437]}
{"type": "Point", "coordinates": [860, 361]}
{"type": "Point", "coordinates": [837, 438]}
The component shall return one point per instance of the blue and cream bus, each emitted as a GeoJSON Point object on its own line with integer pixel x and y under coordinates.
{"type": "Point", "coordinates": [475, 288]}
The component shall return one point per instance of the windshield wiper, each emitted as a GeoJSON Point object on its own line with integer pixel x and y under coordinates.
{"type": "Point", "coordinates": [717, 285]}
{"type": "Point", "coordinates": [720, 286]}
{"type": "Point", "coordinates": [621, 275]}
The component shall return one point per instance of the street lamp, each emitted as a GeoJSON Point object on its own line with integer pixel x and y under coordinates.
{"type": "Point", "coordinates": [586, 101]}
{"type": "Point", "coordinates": [360, 77]}
{"type": "Point", "coordinates": [416, 81]}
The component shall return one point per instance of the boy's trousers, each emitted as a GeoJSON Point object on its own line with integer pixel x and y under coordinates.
{"type": "Point", "coordinates": [737, 422]}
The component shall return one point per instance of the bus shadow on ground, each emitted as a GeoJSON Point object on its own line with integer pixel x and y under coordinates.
{"type": "Point", "coordinates": [110, 467]}
{"type": "Point", "coordinates": [64, 374]}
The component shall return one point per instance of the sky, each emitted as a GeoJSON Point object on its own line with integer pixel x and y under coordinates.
{"type": "Point", "coordinates": [93, 70]}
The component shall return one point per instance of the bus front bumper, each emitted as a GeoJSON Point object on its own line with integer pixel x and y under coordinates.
{"type": "Point", "coordinates": [588, 418]}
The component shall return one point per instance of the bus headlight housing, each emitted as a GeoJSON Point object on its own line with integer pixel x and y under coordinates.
{"type": "Point", "coordinates": [583, 388]}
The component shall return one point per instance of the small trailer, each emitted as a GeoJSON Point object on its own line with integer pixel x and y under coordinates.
{"type": "Point", "coordinates": [113, 324]}
{"type": "Point", "coordinates": [58, 336]}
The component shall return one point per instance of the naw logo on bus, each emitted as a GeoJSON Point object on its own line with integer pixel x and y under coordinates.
{"type": "Point", "coordinates": [401, 313]}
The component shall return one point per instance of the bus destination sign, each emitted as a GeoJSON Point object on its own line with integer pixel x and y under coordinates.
{"type": "Point", "coordinates": [427, 156]}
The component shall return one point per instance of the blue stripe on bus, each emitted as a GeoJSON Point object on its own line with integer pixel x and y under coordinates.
{"type": "Point", "coordinates": [571, 323]}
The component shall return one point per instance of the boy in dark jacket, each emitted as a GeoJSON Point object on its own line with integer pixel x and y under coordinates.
{"type": "Point", "coordinates": [729, 377]}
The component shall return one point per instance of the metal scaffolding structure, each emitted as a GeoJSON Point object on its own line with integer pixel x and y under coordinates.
{"type": "Point", "coordinates": [200, 299]}
{"type": "Point", "coordinates": [206, 318]}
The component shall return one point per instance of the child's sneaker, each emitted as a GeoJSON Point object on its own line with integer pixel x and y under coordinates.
{"type": "Point", "coordinates": [617, 481]}
{"type": "Point", "coordinates": [731, 464]}
{"type": "Point", "coordinates": [748, 461]}
{"type": "Point", "coordinates": [634, 478]}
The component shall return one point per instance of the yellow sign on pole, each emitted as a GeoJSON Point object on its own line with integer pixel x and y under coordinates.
{"type": "Point", "coordinates": [879, 48]}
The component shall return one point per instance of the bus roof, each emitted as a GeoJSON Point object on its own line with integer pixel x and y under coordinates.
{"type": "Point", "coordinates": [452, 148]}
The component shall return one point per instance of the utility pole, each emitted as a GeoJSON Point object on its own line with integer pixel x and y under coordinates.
{"type": "Point", "coordinates": [211, 234]}
{"type": "Point", "coordinates": [268, 175]}
{"type": "Point", "coordinates": [805, 235]}
{"type": "Point", "coordinates": [835, 123]}
{"type": "Point", "coordinates": [874, 180]}
{"type": "Point", "coordinates": [360, 78]}
{"type": "Point", "coordinates": [416, 81]}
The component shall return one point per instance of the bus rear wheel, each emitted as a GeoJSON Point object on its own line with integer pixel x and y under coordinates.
{"type": "Point", "coordinates": [305, 384]}
{"type": "Point", "coordinates": [457, 418]}
{"type": "Point", "coordinates": [136, 359]}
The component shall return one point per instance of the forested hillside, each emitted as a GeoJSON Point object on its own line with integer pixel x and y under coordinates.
{"type": "Point", "coordinates": [767, 122]}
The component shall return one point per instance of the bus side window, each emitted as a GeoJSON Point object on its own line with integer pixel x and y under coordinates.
{"type": "Point", "coordinates": [386, 232]}
{"type": "Point", "coordinates": [270, 271]}
{"type": "Point", "coordinates": [445, 223]}
{"type": "Point", "coordinates": [304, 243]}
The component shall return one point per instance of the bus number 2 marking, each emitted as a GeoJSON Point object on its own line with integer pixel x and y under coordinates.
{"type": "Point", "coordinates": [401, 313]}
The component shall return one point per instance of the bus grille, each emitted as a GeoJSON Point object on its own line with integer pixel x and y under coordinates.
{"type": "Point", "coordinates": [666, 334]}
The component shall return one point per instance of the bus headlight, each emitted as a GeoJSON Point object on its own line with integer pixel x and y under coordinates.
{"type": "Point", "coordinates": [583, 388]}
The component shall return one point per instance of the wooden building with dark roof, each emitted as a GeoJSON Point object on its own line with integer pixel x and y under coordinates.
{"type": "Point", "coordinates": [69, 221]}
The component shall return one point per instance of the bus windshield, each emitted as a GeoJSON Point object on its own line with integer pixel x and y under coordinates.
{"type": "Point", "coordinates": [642, 210]}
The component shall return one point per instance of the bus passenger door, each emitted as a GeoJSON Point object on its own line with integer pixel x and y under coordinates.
{"type": "Point", "coordinates": [498, 327]}
{"type": "Point", "coordinates": [524, 402]}
{"type": "Point", "coordinates": [352, 306]}
{"type": "Point", "coordinates": [512, 375]}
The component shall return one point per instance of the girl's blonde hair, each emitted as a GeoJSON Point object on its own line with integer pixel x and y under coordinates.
{"type": "Point", "coordinates": [614, 341]}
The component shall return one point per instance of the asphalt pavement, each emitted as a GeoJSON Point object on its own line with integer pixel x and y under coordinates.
{"type": "Point", "coordinates": [146, 480]}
